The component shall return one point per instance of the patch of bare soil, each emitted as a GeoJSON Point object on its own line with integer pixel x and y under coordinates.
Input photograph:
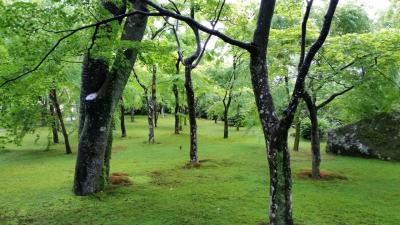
{"type": "Point", "coordinates": [325, 176]}
{"type": "Point", "coordinates": [120, 178]}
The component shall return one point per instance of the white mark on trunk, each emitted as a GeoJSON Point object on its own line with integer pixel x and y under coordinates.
{"type": "Point", "coordinates": [102, 129]}
{"type": "Point", "coordinates": [91, 97]}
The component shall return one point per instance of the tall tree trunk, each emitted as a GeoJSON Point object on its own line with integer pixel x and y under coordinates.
{"type": "Point", "coordinates": [226, 110]}
{"type": "Point", "coordinates": [280, 211]}
{"type": "Point", "coordinates": [154, 95]}
{"type": "Point", "coordinates": [315, 141]}
{"type": "Point", "coordinates": [122, 118]}
{"type": "Point", "coordinates": [53, 97]}
{"type": "Point", "coordinates": [176, 94]}
{"type": "Point", "coordinates": [192, 115]}
{"type": "Point", "coordinates": [150, 113]}
{"type": "Point", "coordinates": [181, 118]}
{"type": "Point", "coordinates": [297, 133]}
{"type": "Point", "coordinates": [100, 93]}
{"type": "Point", "coordinates": [133, 114]}
{"type": "Point", "coordinates": [53, 125]}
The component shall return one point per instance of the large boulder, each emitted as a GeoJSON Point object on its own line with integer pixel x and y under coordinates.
{"type": "Point", "coordinates": [377, 137]}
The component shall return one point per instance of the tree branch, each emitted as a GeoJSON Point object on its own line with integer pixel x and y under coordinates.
{"type": "Point", "coordinates": [303, 71]}
{"type": "Point", "coordinates": [332, 97]}
{"type": "Point", "coordinates": [72, 32]}
{"type": "Point", "coordinates": [194, 23]}
{"type": "Point", "coordinates": [304, 32]}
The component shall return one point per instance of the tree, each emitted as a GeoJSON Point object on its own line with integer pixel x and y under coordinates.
{"type": "Point", "coordinates": [100, 92]}
{"type": "Point", "coordinates": [56, 105]}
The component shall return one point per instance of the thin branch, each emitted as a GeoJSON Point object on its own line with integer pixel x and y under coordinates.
{"type": "Point", "coordinates": [194, 23]}
{"type": "Point", "coordinates": [304, 32]}
{"type": "Point", "coordinates": [303, 71]}
{"type": "Point", "coordinates": [332, 97]}
{"type": "Point", "coordinates": [217, 16]}
{"type": "Point", "coordinates": [139, 82]}
{"type": "Point", "coordinates": [72, 32]}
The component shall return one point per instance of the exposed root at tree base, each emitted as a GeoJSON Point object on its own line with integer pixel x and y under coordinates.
{"type": "Point", "coordinates": [120, 179]}
{"type": "Point", "coordinates": [307, 174]}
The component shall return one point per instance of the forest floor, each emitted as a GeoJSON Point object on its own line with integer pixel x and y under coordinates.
{"type": "Point", "coordinates": [230, 187]}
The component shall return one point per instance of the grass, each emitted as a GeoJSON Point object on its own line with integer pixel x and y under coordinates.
{"type": "Point", "coordinates": [231, 186]}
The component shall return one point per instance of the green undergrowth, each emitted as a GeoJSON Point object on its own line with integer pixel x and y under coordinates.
{"type": "Point", "coordinates": [230, 186]}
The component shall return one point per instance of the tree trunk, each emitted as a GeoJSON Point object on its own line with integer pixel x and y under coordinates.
{"type": "Point", "coordinates": [192, 114]}
{"type": "Point", "coordinates": [181, 118]}
{"type": "Point", "coordinates": [226, 130]}
{"type": "Point", "coordinates": [122, 118]}
{"type": "Point", "coordinates": [133, 114]}
{"type": "Point", "coordinates": [280, 207]}
{"type": "Point", "coordinates": [226, 110]}
{"type": "Point", "coordinates": [53, 96]}
{"type": "Point", "coordinates": [176, 94]}
{"type": "Point", "coordinates": [315, 141]}
{"type": "Point", "coordinates": [100, 93]}
{"type": "Point", "coordinates": [150, 113]}
{"type": "Point", "coordinates": [154, 95]}
{"type": "Point", "coordinates": [297, 133]}
{"type": "Point", "coordinates": [54, 125]}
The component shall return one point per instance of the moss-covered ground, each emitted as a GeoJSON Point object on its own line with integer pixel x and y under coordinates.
{"type": "Point", "coordinates": [230, 187]}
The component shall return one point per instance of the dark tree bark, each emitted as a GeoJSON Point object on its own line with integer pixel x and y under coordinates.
{"type": "Point", "coordinates": [315, 137]}
{"type": "Point", "coordinates": [180, 118]}
{"type": "Point", "coordinates": [226, 110]}
{"type": "Point", "coordinates": [100, 92]}
{"type": "Point", "coordinates": [192, 115]}
{"type": "Point", "coordinates": [53, 97]}
{"type": "Point", "coordinates": [53, 125]}
{"type": "Point", "coordinates": [315, 141]}
{"type": "Point", "coordinates": [122, 118]}
{"type": "Point", "coordinates": [228, 93]}
{"type": "Point", "coordinates": [176, 113]}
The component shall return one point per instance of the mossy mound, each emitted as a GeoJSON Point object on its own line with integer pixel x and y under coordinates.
{"type": "Point", "coordinates": [377, 137]}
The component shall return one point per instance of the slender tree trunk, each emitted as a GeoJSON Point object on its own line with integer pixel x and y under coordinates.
{"type": "Point", "coordinates": [226, 130]}
{"type": "Point", "coordinates": [54, 125]}
{"type": "Point", "coordinates": [154, 95]}
{"type": "Point", "coordinates": [315, 141]}
{"type": "Point", "coordinates": [226, 110]}
{"type": "Point", "coordinates": [297, 133]}
{"type": "Point", "coordinates": [176, 94]}
{"type": "Point", "coordinates": [53, 96]}
{"type": "Point", "coordinates": [133, 114]}
{"type": "Point", "coordinates": [122, 118]}
{"type": "Point", "coordinates": [150, 113]}
{"type": "Point", "coordinates": [192, 114]}
{"type": "Point", "coordinates": [100, 92]}
{"type": "Point", "coordinates": [185, 116]}
{"type": "Point", "coordinates": [181, 118]}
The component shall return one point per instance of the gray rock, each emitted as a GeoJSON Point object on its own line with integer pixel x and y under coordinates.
{"type": "Point", "coordinates": [377, 137]}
